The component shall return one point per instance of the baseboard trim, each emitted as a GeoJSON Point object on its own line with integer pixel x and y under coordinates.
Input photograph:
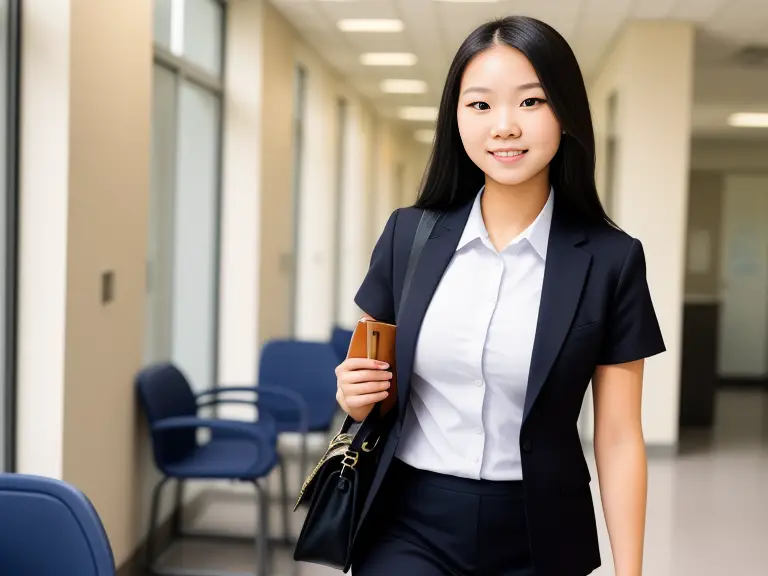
{"type": "Point", "coordinates": [163, 534]}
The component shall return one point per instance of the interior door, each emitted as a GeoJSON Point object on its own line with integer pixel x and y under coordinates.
{"type": "Point", "coordinates": [743, 334]}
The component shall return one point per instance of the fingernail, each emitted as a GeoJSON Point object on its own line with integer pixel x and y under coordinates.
{"type": "Point", "coordinates": [383, 365]}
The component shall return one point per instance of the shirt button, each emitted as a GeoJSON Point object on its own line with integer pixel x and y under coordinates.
{"type": "Point", "coordinates": [526, 445]}
{"type": "Point", "coordinates": [479, 431]}
{"type": "Point", "coordinates": [478, 383]}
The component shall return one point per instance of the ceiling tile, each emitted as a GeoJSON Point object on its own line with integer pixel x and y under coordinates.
{"type": "Point", "coordinates": [359, 9]}
{"type": "Point", "coordinates": [697, 10]}
{"type": "Point", "coordinates": [653, 9]}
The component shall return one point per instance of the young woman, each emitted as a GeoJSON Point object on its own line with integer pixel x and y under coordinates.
{"type": "Point", "coordinates": [524, 293]}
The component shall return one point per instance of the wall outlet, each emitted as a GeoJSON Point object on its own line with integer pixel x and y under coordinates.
{"type": "Point", "coordinates": [107, 287]}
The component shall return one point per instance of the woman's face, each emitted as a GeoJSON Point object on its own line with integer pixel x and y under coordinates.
{"type": "Point", "coordinates": [507, 127]}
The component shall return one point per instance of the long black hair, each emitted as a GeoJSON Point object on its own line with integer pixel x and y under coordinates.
{"type": "Point", "coordinates": [452, 179]}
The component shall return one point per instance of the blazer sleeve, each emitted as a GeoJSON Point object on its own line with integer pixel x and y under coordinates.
{"type": "Point", "coordinates": [375, 296]}
{"type": "Point", "coordinates": [632, 331]}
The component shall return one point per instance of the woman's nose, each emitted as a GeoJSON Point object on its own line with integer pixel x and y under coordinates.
{"type": "Point", "coordinates": [505, 126]}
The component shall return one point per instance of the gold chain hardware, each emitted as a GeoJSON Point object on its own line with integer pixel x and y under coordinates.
{"type": "Point", "coordinates": [349, 461]}
{"type": "Point", "coordinates": [372, 448]}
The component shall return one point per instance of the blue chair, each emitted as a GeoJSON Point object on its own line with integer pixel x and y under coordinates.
{"type": "Point", "coordinates": [49, 528]}
{"type": "Point", "coordinates": [340, 339]}
{"type": "Point", "coordinates": [307, 369]}
{"type": "Point", "coordinates": [237, 450]}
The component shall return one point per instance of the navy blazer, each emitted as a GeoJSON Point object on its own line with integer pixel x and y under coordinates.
{"type": "Point", "coordinates": [595, 309]}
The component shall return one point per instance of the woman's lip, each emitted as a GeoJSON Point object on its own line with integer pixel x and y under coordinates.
{"type": "Point", "coordinates": [509, 159]}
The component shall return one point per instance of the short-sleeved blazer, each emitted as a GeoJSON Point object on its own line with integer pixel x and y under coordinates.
{"type": "Point", "coordinates": [595, 309]}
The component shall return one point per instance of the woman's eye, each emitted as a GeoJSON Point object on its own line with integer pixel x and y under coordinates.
{"type": "Point", "coordinates": [528, 102]}
{"type": "Point", "coordinates": [480, 106]}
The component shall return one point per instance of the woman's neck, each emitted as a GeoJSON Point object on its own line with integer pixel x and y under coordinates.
{"type": "Point", "coordinates": [509, 210]}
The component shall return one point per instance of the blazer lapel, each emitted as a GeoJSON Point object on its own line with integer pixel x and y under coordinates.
{"type": "Point", "coordinates": [564, 275]}
{"type": "Point", "coordinates": [435, 257]}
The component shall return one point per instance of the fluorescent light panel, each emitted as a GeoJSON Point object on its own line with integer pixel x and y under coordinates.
{"type": "Point", "coordinates": [418, 113]}
{"type": "Point", "coordinates": [370, 25]}
{"type": "Point", "coordinates": [388, 59]}
{"type": "Point", "coordinates": [749, 120]}
{"type": "Point", "coordinates": [403, 86]}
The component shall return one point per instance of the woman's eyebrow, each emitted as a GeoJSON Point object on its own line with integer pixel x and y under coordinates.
{"type": "Point", "coordinates": [484, 90]}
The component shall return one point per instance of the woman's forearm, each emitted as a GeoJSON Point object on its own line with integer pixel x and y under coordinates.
{"type": "Point", "coordinates": [623, 477]}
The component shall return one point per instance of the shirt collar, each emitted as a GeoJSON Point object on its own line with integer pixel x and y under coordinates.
{"type": "Point", "coordinates": [537, 233]}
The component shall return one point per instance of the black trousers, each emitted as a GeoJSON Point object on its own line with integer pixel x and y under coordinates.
{"type": "Point", "coordinates": [428, 524]}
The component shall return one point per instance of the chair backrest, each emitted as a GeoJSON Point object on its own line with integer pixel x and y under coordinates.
{"type": "Point", "coordinates": [340, 339]}
{"type": "Point", "coordinates": [50, 527]}
{"type": "Point", "coordinates": [164, 392]}
{"type": "Point", "coordinates": [307, 368]}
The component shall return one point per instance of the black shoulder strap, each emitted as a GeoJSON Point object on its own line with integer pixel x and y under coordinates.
{"type": "Point", "coordinates": [426, 224]}
{"type": "Point", "coordinates": [365, 430]}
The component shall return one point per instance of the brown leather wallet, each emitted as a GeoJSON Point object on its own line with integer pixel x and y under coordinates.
{"type": "Point", "coordinates": [376, 340]}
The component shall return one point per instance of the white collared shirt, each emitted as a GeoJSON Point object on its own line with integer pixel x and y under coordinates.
{"type": "Point", "coordinates": [473, 355]}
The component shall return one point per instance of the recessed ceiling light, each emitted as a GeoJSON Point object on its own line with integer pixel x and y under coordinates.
{"type": "Point", "coordinates": [424, 135]}
{"type": "Point", "coordinates": [418, 113]}
{"type": "Point", "coordinates": [388, 59]}
{"type": "Point", "coordinates": [370, 25]}
{"type": "Point", "coordinates": [749, 120]}
{"type": "Point", "coordinates": [396, 86]}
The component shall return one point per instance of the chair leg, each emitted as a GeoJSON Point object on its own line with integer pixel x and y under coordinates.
{"type": "Point", "coordinates": [150, 552]}
{"type": "Point", "coordinates": [178, 520]}
{"type": "Point", "coordinates": [262, 530]}
{"type": "Point", "coordinates": [285, 502]}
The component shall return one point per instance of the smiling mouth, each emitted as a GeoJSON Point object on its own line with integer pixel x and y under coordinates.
{"type": "Point", "coordinates": [508, 155]}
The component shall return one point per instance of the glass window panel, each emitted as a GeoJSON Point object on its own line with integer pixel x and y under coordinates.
{"type": "Point", "coordinates": [163, 22]}
{"type": "Point", "coordinates": [195, 266]}
{"type": "Point", "coordinates": [157, 341]}
{"type": "Point", "coordinates": [203, 23]}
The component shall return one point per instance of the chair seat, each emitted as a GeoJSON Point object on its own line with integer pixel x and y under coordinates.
{"type": "Point", "coordinates": [224, 458]}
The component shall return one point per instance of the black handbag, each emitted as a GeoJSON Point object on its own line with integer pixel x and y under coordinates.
{"type": "Point", "coordinates": [338, 486]}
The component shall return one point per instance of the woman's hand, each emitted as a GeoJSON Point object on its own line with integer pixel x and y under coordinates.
{"type": "Point", "coordinates": [361, 384]}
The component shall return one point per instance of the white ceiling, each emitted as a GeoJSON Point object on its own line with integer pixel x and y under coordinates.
{"type": "Point", "coordinates": [433, 31]}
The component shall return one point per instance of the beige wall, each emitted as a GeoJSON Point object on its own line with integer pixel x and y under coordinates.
{"type": "Point", "coordinates": [86, 121]}
{"type": "Point", "coordinates": [650, 198]}
{"type": "Point", "coordinates": [108, 195]}
{"type": "Point", "coordinates": [318, 196]}
{"type": "Point", "coordinates": [276, 224]}
{"type": "Point", "coordinates": [730, 155]}
{"type": "Point", "coordinates": [241, 247]}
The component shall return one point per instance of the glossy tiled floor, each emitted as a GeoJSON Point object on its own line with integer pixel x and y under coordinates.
{"type": "Point", "coordinates": [707, 511]}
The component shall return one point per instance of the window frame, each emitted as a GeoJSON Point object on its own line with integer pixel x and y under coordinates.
{"type": "Point", "coordinates": [8, 455]}
{"type": "Point", "coordinates": [187, 71]}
